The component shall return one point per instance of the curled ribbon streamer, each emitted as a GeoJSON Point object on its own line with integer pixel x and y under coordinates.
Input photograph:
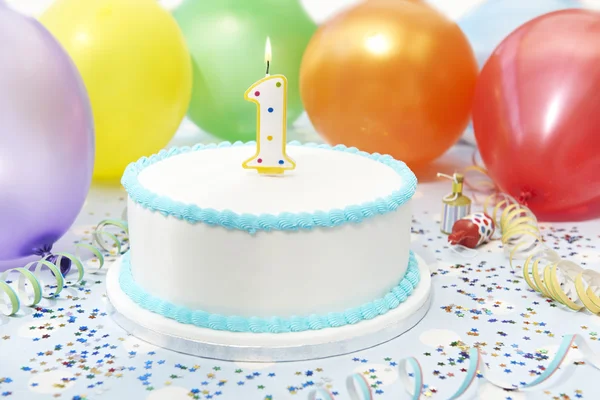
{"type": "Point", "coordinates": [482, 185]}
{"type": "Point", "coordinates": [485, 185]}
{"type": "Point", "coordinates": [417, 385]}
{"type": "Point", "coordinates": [359, 388]}
{"type": "Point", "coordinates": [544, 270]}
{"type": "Point", "coordinates": [357, 385]}
{"type": "Point", "coordinates": [100, 234]}
{"type": "Point", "coordinates": [478, 368]}
{"type": "Point", "coordinates": [320, 394]}
{"type": "Point", "coordinates": [29, 287]}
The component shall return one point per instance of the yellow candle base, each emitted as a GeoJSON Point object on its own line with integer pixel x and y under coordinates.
{"type": "Point", "coordinates": [270, 171]}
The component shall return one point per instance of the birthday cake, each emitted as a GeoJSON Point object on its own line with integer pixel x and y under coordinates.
{"type": "Point", "coordinates": [273, 267]}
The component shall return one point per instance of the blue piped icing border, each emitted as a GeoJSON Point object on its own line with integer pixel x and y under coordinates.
{"type": "Point", "coordinates": [314, 322]}
{"type": "Point", "coordinates": [253, 223]}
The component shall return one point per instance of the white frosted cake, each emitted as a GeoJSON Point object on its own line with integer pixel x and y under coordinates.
{"type": "Point", "coordinates": [225, 258]}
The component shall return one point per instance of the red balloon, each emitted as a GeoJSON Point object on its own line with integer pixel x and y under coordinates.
{"type": "Point", "coordinates": [537, 115]}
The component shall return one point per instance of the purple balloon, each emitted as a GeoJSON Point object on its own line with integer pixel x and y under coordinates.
{"type": "Point", "coordinates": [46, 138]}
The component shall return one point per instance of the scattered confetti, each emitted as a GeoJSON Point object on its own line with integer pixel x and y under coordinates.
{"type": "Point", "coordinates": [70, 348]}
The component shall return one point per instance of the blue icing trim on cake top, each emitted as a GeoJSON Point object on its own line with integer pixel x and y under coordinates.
{"type": "Point", "coordinates": [252, 223]}
{"type": "Point", "coordinates": [218, 322]}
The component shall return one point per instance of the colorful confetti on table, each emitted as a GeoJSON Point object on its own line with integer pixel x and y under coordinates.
{"type": "Point", "coordinates": [70, 348]}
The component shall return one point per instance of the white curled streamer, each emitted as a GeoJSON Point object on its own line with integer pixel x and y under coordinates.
{"type": "Point", "coordinates": [359, 388]}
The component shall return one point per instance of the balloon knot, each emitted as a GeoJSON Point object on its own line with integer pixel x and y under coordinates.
{"type": "Point", "coordinates": [45, 252]}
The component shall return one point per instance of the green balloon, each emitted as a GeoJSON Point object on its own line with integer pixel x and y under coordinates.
{"type": "Point", "coordinates": [226, 39]}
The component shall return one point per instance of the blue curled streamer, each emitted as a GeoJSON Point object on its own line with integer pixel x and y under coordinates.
{"type": "Point", "coordinates": [320, 394]}
{"type": "Point", "coordinates": [357, 384]}
{"type": "Point", "coordinates": [359, 387]}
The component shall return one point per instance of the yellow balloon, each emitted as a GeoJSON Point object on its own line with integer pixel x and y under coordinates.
{"type": "Point", "coordinates": [137, 71]}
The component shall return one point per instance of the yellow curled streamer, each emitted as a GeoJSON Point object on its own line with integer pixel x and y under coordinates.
{"type": "Point", "coordinates": [526, 274]}
{"type": "Point", "coordinates": [543, 269]}
{"type": "Point", "coordinates": [481, 184]}
{"type": "Point", "coordinates": [539, 282]}
{"type": "Point", "coordinates": [29, 288]}
{"type": "Point", "coordinates": [588, 296]}
{"type": "Point", "coordinates": [583, 295]}
{"type": "Point", "coordinates": [551, 276]}
{"type": "Point", "coordinates": [593, 298]}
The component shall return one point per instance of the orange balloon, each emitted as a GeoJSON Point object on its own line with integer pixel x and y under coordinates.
{"type": "Point", "coordinates": [390, 76]}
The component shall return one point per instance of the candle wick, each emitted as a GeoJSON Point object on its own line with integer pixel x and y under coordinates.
{"type": "Point", "coordinates": [268, 65]}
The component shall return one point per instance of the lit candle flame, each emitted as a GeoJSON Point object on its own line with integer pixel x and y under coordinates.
{"type": "Point", "coordinates": [268, 55]}
{"type": "Point", "coordinates": [268, 50]}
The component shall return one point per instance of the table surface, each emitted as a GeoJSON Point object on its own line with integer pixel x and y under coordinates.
{"type": "Point", "coordinates": [70, 348]}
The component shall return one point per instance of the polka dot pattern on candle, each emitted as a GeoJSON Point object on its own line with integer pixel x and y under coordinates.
{"type": "Point", "coordinates": [269, 138]}
{"type": "Point", "coordinates": [270, 109]}
{"type": "Point", "coordinates": [257, 93]}
{"type": "Point", "coordinates": [259, 160]}
{"type": "Point", "coordinates": [280, 162]}
{"type": "Point", "coordinates": [278, 84]}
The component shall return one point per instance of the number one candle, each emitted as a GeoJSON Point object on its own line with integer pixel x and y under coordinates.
{"type": "Point", "coordinates": [270, 96]}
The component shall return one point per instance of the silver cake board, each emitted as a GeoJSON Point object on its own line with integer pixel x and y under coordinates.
{"type": "Point", "coordinates": [249, 347]}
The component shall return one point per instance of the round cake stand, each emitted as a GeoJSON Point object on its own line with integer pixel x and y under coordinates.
{"type": "Point", "coordinates": [266, 347]}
